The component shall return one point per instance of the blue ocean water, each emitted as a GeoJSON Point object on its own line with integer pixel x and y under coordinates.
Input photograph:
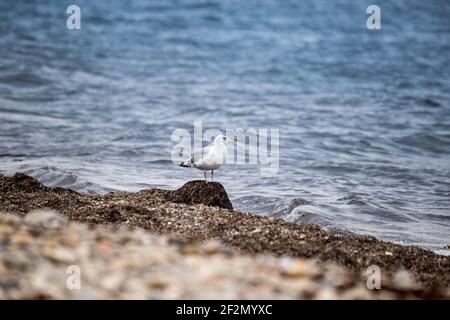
{"type": "Point", "coordinates": [363, 115]}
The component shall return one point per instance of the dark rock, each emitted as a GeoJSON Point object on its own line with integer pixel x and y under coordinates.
{"type": "Point", "coordinates": [114, 215]}
{"type": "Point", "coordinates": [21, 182]}
{"type": "Point", "coordinates": [211, 194]}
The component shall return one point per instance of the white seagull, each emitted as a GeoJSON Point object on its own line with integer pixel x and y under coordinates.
{"type": "Point", "coordinates": [210, 157]}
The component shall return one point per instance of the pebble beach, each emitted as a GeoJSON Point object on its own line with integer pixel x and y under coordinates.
{"type": "Point", "coordinates": [190, 244]}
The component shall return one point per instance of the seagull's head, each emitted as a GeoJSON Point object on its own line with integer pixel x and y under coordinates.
{"type": "Point", "coordinates": [221, 139]}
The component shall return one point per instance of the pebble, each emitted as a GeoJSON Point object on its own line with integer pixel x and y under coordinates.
{"type": "Point", "coordinates": [59, 254]}
{"type": "Point", "coordinates": [10, 219]}
{"type": "Point", "coordinates": [46, 219]}
{"type": "Point", "coordinates": [6, 229]}
{"type": "Point", "coordinates": [22, 237]}
{"type": "Point", "coordinates": [297, 268]}
{"type": "Point", "coordinates": [214, 246]}
{"type": "Point", "coordinates": [358, 293]}
{"type": "Point", "coordinates": [327, 294]}
{"type": "Point", "coordinates": [403, 280]}
{"type": "Point", "coordinates": [3, 269]}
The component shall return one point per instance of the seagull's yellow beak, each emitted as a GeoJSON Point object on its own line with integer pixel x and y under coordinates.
{"type": "Point", "coordinates": [231, 141]}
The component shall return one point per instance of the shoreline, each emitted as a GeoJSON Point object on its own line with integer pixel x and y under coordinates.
{"type": "Point", "coordinates": [199, 212]}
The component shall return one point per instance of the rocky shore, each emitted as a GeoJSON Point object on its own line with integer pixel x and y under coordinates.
{"type": "Point", "coordinates": [190, 243]}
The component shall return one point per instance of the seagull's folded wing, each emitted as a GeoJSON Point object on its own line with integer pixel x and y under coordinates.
{"type": "Point", "coordinates": [200, 154]}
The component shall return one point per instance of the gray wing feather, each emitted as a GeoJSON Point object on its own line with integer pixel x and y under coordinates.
{"type": "Point", "coordinates": [196, 156]}
{"type": "Point", "coordinates": [199, 154]}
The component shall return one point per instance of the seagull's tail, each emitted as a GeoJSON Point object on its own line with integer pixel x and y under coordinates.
{"type": "Point", "coordinates": [184, 164]}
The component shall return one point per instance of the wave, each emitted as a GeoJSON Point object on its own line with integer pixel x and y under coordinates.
{"type": "Point", "coordinates": [427, 141]}
{"type": "Point", "coordinates": [22, 79]}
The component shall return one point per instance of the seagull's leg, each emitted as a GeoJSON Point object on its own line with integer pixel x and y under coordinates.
{"type": "Point", "coordinates": [204, 171]}
{"type": "Point", "coordinates": [212, 175]}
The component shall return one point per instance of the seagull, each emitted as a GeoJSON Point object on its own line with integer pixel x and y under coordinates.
{"type": "Point", "coordinates": [210, 157]}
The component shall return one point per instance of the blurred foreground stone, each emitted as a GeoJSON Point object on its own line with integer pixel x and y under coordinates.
{"type": "Point", "coordinates": [40, 261]}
